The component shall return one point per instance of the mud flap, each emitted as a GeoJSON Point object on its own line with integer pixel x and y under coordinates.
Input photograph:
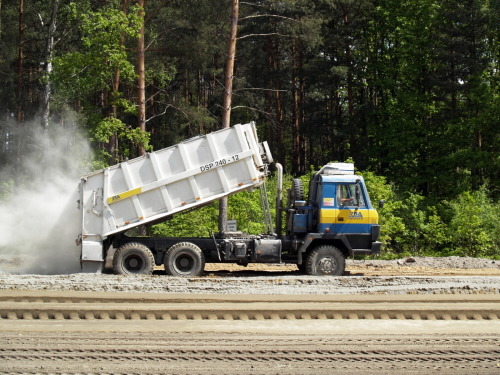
{"type": "Point", "coordinates": [92, 260]}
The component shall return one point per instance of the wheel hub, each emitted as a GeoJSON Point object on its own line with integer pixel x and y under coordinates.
{"type": "Point", "coordinates": [184, 263]}
{"type": "Point", "coordinates": [134, 263]}
{"type": "Point", "coordinates": [327, 265]}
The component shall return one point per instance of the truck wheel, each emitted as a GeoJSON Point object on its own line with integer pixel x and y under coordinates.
{"type": "Point", "coordinates": [133, 258]}
{"type": "Point", "coordinates": [325, 260]}
{"type": "Point", "coordinates": [184, 259]}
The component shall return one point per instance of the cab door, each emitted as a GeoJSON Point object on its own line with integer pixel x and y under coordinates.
{"type": "Point", "coordinates": [353, 215]}
{"type": "Point", "coordinates": [328, 210]}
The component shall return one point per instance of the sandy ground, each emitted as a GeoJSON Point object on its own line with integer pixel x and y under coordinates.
{"type": "Point", "coordinates": [247, 346]}
{"type": "Point", "coordinates": [298, 352]}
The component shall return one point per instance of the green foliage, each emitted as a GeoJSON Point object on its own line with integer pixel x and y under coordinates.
{"type": "Point", "coordinates": [415, 226]}
{"type": "Point", "coordinates": [393, 225]}
{"type": "Point", "coordinates": [79, 74]}
{"type": "Point", "coordinates": [90, 71]}
{"type": "Point", "coordinates": [244, 207]}
{"type": "Point", "coordinates": [467, 225]}
{"type": "Point", "coordinates": [474, 227]}
{"type": "Point", "coordinates": [201, 222]}
{"type": "Point", "coordinates": [111, 126]}
{"type": "Point", "coordinates": [377, 186]}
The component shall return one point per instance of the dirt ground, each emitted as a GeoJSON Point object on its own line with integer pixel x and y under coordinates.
{"type": "Point", "coordinates": [353, 270]}
{"type": "Point", "coordinates": [420, 271]}
{"type": "Point", "coordinates": [415, 266]}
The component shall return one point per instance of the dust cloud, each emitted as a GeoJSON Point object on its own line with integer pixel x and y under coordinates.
{"type": "Point", "coordinates": [39, 219]}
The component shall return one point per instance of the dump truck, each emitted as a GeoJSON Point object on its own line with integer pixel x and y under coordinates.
{"type": "Point", "coordinates": [317, 233]}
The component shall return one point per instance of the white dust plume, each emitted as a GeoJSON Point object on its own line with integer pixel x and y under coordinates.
{"type": "Point", "coordinates": [39, 219]}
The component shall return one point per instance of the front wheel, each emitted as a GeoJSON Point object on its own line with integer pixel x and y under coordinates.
{"type": "Point", "coordinates": [325, 260]}
{"type": "Point", "coordinates": [184, 259]}
{"type": "Point", "coordinates": [133, 258]}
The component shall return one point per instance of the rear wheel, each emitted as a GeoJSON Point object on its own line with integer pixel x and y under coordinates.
{"type": "Point", "coordinates": [184, 259]}
{"type": "Point", "coordinates": [133, 258]}
{"type": "Point", "coordinates": [325, 260]}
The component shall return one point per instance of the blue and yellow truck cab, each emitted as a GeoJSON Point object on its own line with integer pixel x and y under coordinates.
{"type": "Point", "coordinates": [337, 217]}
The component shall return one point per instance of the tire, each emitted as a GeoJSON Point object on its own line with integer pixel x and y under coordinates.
{"type": "Point", "coordinates": [297, 190]}
{"type": "Point", "coordinates": [133, 259]}
{"type": "Point", "coordinates": [184, 259]}
{"type": "Point", "coordinates": [325, 260]}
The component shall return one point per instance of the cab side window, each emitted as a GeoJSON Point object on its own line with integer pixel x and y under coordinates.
{"type": "Point", "coordinates": [350, 195]}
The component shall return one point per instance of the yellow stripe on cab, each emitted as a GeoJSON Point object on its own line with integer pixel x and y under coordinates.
{"type": "Point", "coordinates": [344, 216]}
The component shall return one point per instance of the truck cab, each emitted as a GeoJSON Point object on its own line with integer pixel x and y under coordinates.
{"type": "Point", "coordinates": [337, 213]}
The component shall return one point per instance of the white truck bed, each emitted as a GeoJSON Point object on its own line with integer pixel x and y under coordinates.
{"type": "Point", "coordinates": [159, 184]}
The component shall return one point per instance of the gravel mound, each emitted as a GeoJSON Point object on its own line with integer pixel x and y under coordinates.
{"type": "Point", "coordinates": [282, 284]}
{"type": "Point", "coordinates": [277, 282]}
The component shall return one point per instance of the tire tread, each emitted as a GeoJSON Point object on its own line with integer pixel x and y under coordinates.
{"type": "Point", "coordinates": [312, 259]}
{"type": "Point", "coordinates": [149, 258]}
{"type": "Point", "coordinates": [189, 245]}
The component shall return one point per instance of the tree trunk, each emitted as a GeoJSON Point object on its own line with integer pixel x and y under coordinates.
{"type": "Point", "coordinates": [228, 79]}
{"type": "Point", "coordinates": [350, 95]}
{"type": "Point", "coordinates": [296, 113]}
{"type": "Point", "coordinates": [141, 81]}
{"type": "Point", "coordinates": [228, 94]}
{"type": "Point", "coordinates": [274, 134]}
{"type": "Point", "coordinates": [302, 100]}
{"type": "Point", "coordinates": [279, 107]}
{"type": "Point", "coordinates": [112, 146]}
{"type": "Point", "coordinates": [0, 20]}
{"type": "Point", "coordinates": [48, 64]}
{"type": "Point", "coordinates": [298, 94]}
{"type": "Point", "coordinates": [20, 57]}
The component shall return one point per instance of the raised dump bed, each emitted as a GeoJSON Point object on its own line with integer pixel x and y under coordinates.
{"type": "Point", "coordinates": [159, 184]}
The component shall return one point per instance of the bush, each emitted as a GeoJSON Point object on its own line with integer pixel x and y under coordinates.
{"type": "Point", "coordinates": [474, 227]}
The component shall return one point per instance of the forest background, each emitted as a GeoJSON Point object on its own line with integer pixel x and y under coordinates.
{"type": "Point", "coordinates": [408, 90]}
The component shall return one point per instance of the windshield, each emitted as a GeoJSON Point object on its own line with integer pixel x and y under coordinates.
{"type": "Point", "coordinates": [350, 195]}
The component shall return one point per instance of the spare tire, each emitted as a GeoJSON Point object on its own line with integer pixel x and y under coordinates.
{"type": "Point", "coordinates": [297, 190]}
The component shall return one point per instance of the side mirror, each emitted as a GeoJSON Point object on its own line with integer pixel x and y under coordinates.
{"type": "Point", "coordinates": [358, 192]}
{"type": "Point", "coordinates": [381, 203]}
